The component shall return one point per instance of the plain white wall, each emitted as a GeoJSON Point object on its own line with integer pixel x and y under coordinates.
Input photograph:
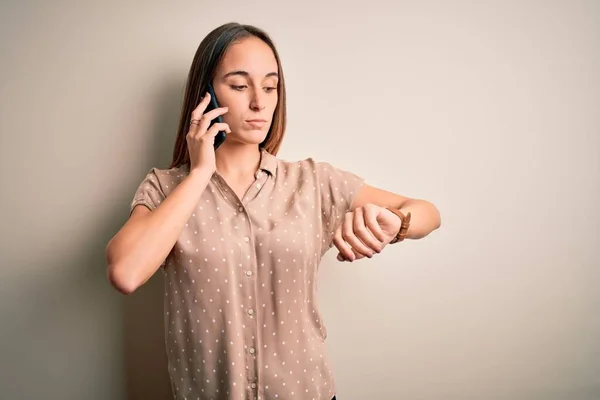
{"type": "Point", "coordinates": [487, 109]}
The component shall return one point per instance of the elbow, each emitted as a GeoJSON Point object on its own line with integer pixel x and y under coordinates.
{"type": "Point", "coordinates": [121, 283]}
{"type": "Point", "coordinates": [434, 220]}
{"type": "Point", "coordinates": [437, 219]}
{"type": "Point", "coordinates": [118, 279]}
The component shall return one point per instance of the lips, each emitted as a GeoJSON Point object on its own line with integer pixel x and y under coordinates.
{"type": "Point", "coordinates": [256, 123]}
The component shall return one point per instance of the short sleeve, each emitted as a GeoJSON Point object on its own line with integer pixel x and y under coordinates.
{"type": "Point", "coordinates": [337, 189]}
{"type": "Point", "coordinates": [149, 192]}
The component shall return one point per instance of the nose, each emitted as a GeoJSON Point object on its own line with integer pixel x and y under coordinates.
{"type": "Point", "coordinates": [257, 102]}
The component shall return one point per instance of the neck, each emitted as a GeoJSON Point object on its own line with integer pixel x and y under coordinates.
{"type": "Point", "coordinates": [237, 162]}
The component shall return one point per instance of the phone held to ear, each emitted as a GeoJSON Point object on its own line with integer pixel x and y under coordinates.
{"type": "Point", "coordinates": [213, 104]}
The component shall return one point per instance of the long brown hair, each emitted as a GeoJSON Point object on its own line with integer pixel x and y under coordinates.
{"type": "Point", "coordinates": [210, 52]}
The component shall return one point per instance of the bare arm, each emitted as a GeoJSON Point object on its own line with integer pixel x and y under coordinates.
{"type": "Point", "coordinates": [136, 252]}
{"type": "Point", "coordinates": [425, 216]}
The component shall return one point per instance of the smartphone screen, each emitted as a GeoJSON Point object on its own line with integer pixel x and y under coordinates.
{"type": "Point", "coordinates": [213, 104]}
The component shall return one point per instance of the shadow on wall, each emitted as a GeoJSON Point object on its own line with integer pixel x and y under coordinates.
{"type": "Point", "coordinates": [146, 374]}
{"type": "Point", "coordinates": [144, 342]}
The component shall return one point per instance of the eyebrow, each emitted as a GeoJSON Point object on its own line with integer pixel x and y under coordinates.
{"type": "Point", "coordinates": [246, 74]}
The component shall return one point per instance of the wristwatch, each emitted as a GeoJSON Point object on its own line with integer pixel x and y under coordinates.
{"type": "Point", "coordinates": [403, 228]}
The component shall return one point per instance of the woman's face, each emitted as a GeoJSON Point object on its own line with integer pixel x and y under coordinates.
{"type": "Point", "coordinates": [246, 82]}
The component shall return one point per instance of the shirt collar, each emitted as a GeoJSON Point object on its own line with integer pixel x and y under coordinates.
{"type": "Point", "coordinates": [268, 162]}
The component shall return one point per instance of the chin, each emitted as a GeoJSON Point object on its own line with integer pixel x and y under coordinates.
{"type": "Point", "coordinates": [248, 136]}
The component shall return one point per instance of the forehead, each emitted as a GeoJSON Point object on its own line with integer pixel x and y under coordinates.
{"type": "Point", "coordinates": [251, 55]}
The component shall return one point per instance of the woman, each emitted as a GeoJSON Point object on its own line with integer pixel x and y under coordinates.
{"type": "Point", "coordinates": [239, 234]}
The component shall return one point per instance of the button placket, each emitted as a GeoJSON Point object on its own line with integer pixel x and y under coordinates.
{"type": "Point", "coordinates": [257, 185]}
{"type": "Point", "coordinates": [248, 290]}
{"type": "Point", "coordinates": [248, 287]}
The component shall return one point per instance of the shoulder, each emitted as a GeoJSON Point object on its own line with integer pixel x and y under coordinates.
{"type": "Point", "coordinates": [325, 170]}
{"type": "Point", "coordinates": [312, 169]}
{"type": "Point", "coordinates": [171, 173]}
{"type": "Point", "coordinates": [307, 165]}
{"type": "Point", "coordinates": [303, 171]}
{"type": "Point", "coordinates": [165, 179]}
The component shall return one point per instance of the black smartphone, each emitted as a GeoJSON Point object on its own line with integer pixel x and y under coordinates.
{"type": "Point", "coordinates": [213, 104]}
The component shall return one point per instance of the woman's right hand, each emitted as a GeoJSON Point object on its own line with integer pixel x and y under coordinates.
{"type": "Point", "coordinates": [200, 139]}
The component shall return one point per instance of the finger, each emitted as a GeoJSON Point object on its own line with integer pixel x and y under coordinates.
{"type": "Point", "coordinates": [342, 246]}
{"type": "Point", "coordinates": [357, 256]}
{"type": "Point", "coordinates": [212, 114]}
{"type": "Point", "coordinates": [370, 216]}
{"type": "Point", "coordinates": [216, 128]}
{"type": "Point", "coordinates": [207, 118]}
{"type": "Point", "coordinates": [199, 110]}
{"type": "Point", "coordinates": [349, 236]}
{"type": "Point", "coordinates": [364, 234]}
{"type": "Point", "coordinates": [197, 113]}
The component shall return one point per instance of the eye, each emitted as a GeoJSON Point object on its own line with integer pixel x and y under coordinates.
{"type": "Point", "coordinates": [240, 88]}
{"type": "Point", "coordinates": [270, 89]}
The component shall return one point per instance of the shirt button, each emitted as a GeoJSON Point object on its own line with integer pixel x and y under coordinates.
{"type": "Point", "coordinates": [258, 185]}
{"type": "Point", "coordinates": [250, 311]}
{"type": "Point", "coordinates": [248, 273]}
{"type": "Point", "coordinates": [241, 209]}
{"type": "Point", "coordinates": [253, 386]}
{"type": "Point", "coordinates": [246, 239]}
{"type": "Point", "coordinates": [251, 350]}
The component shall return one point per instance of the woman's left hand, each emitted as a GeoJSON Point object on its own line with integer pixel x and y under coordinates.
{"type": "Point", "coordinates": [365, 231]}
